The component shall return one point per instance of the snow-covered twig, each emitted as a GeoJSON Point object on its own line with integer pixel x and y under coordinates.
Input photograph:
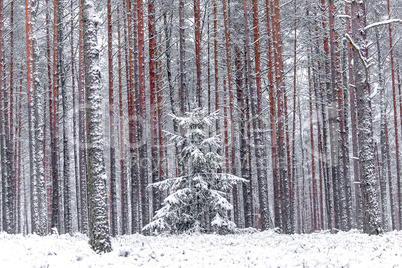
{"type": "Point", "coordinates": [357, 48]}
{"type": "Point", "coordinates": [344, 16]}
{"type": "Point", "coordinates": [382, 23]}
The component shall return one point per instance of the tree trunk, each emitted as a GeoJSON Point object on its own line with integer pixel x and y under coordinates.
{"type": "Point", "coordinates": [197, 33]}
{"type": "Point", "coordinates": [82, 151]}
{"type": "Point", "coordinates": [113, 180]}
{"type": "Point", "coordinates": [98, 219]}
{"type": "Point", "coordinates": [48, 120]}
{"type": "Point", "coordinates": [8, 219]}
{"type": "Point", "coordinates": [73, 86]}
{"type": "Point", "coordinates": [182, 58]}
{"type": "Point", "coordinates": [397, 136]}
{"type": "Point", "coordinates": [30, 85]}
{"type": "Point", "coordinates": [272, 114]}
{"type": "Point", "coordinates": [56, 221]}
{"type": "Point", "coordinates": [384, 172]}
{"type": "Point", "coordinates": [123, 181]}
{"type": "Point", "coordinates": [154, 90]}
{"type": "Point", "coordinates": [38, 131]}
{"type": "Point", "coordinates": [371, 217]}
{"type": "Point", "coordinates": [258, 139]}
{"type": "Point", "coordinates": [128, 32]}
{"type": "Point", "coordinates": [11, 146]}
{"type": "Point", "coordinates": [141, 113]}
{"type": "Point", "coordinates": [355, 144]}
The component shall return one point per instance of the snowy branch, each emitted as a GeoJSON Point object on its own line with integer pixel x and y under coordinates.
{"type": "Point", "coordinates": [357, 48]}
{"type": "Point", "coordinates": [382, 23]}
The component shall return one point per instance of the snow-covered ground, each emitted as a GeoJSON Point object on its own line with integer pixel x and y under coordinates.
{"type": "Point", "coordinates": [265, 249]}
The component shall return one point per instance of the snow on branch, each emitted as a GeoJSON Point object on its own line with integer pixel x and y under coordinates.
{"type": "Point", "coordinates": [382, 23]}
{"type": "Point", "coordinates": [357, 48]}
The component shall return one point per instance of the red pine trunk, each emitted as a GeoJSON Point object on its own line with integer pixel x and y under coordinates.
{"type": "Point", "coordinates": [197, 33]}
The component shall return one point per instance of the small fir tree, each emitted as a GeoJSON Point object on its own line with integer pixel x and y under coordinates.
{"type": "Point", "coordinates": [197, 200]}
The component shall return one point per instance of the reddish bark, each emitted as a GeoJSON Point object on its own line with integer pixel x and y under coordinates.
{"type": "Point", "coordinates": [141, 113]}
{"type": "Point", "coordinates": [197, 33]}
{"type": "Point", "coordinates": [282, 148]}
{"type": "Point", "coordinates": [257, 56]}
{"type": "Point", "coordinates": [397, 136]}
{"type": "Point", "coordinates": [152, 35]}
{"type": "Point", "coordinates": [29, 88]}
{"type": "Point", "coordinates": [128, 32]}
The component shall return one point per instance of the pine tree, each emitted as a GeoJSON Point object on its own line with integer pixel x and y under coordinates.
{"type": "Point", "coordinates": [197, 200]}
{"type": "Point", "coordinates": [98, 218]}
{"type": "Point", "coordinates": [370, 199]}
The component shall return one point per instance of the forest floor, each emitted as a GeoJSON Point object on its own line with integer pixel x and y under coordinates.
{"type": "Point", "coordinates": [261, 249]}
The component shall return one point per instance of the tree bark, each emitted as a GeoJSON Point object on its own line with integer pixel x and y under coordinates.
{"type": "Point", "coordinates": [98, 218]}
{"type": "Point", "coordinates": [113, 179]}
{"type": "Point", "coordinates": [197, 33]}
{"type": "Point", "coordinates": [257, 135]}
{"type": "Point", "coordinates": [82, 151]}
{"type": "Point", "coordinates": [397, 136]}
{"type": "Point", "coordinates": [154, 90]}
{"type": "Point", "coordinates": [371, 209]}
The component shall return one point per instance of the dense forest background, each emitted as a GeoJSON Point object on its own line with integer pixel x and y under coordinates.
{"type": "Point", "coordinates": [308, 94]}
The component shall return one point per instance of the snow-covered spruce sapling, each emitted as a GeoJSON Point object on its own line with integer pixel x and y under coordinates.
{"type": "Point", "coordinates": [197, 200]}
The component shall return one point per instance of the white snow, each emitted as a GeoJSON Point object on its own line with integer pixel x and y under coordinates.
{"type": "Point", "coordinates": [260, 249]}
{"type": "Point", "coordinates": [382, 23]}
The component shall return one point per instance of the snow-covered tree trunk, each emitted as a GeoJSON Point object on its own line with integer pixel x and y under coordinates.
{"type": "Point", "coordinates": [282, 140]}
{"type": "Point", "coordinates": [395, 108]}
{"type": "Point", "coordinates": [141, 114]}
{"type": "Point", "coordinates": [67, 215]}
{"type": "Point", "coordinates": [75, 127]}
{"type": "Point", "coordinates": [368, 183]}
{"type": "Point", "coordinates": [384, 173]}
{"type": "Point", "coordinates": [244, 171]}
{"type": "Point", "coordinates": [98, 217]}
{"type": "Point", "coordinates": [258, 139]}
{"type": "Point", "coordinates": [82, 150]}
{"type": "Point", "coordinates": [38, 131]}
{"type": "Point", "coordinates": [182, 61]}
{"type": "Point", "coordinates": [57, 212]}
{"type": "Point", "coordinates": [129, 46]}
{"type": "Point", "coordinates": [6, 160]}
{"type": "Point", "coordinates": [123, 181]}
{"type": "Point", "coordinates": [272, 110]}
{"type": "Point", "coordinates": [197, 34]}
{"type": "Point", "coordinates": [30, 86]}
{"type": "Point", "coordinates": [154, 89]}
{"type": "Point", "coordinates": [112, 149]}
